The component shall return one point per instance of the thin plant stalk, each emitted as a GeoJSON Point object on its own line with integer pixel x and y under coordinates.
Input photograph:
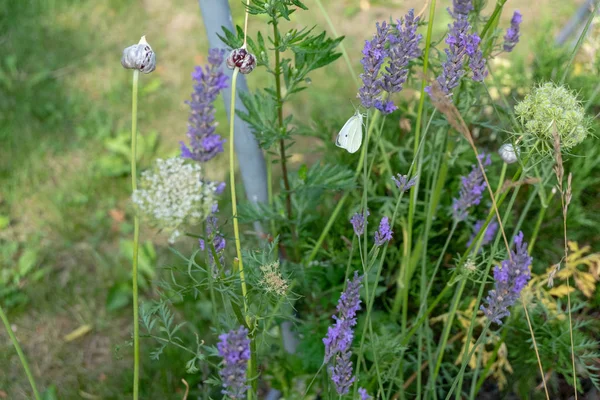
{"type": "Point", "coordinates": [412, 205]}
{"type": "Point", "coordinates": [20, 353]}
{"type": "Point", "coordinates": [136, 240]}
{"type": "Point", "coordinates": [283, 158]}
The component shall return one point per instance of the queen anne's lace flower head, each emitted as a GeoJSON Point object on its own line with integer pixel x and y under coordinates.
{"type": "Point", "coordinates": [234, 347]}
{"type": "Point", "coordinates": [173, 193]}
{"type": "Point", "coordinates": [550, 107]}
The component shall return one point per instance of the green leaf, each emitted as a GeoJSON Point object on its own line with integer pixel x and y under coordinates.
{"type": "Point", "coordinates": [119, 296]}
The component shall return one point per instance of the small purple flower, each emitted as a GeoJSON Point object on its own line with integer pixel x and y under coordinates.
{"type": "Point", "coordinates": [488, 235]}
{"type": "Point", "coordinates": [471, 191]}
{"type": "Point", "coordinates": [510, 279]}
{"type": "Point", "coordinates": [358, 222]}
{"type": "Point", "coordinates": [384, 233]}
{"type": "Point", "coordinates": [511, 38]}
{"type": "Point", "coordinates": [386, 107]}
{"type": "Point", "coordinates": [363, 394]}
{"type": "Point", "coordinates": [404, 46]}
{"type": "Point", "coordinates": [403, 183]}
{"type": "Point", "coordinates": [205, 143]}
{"type": "Point", "coordinates": [234, 347]}
{"type": "Point", "coordinates": [458, 42]}
{"type": "Point", "coordinates": [342, 374]}
{"type": "Point", "coordinates": [218, 240]}
{"type": "Point", "coordinates": [461, 8]}
{"type": "Point", "coordinates": [374, 53]}
{"type": "Point", "coordinates": [339, 336]}
{"type": "Point", "coordinates": [477, 65]}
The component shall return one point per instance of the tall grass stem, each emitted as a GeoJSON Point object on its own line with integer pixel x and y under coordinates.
{"type": "Point", "coordinates": [20, 353]}
{"type": "Point", "coordinates": [136, 240]}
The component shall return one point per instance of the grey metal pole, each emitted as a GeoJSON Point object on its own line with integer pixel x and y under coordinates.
{"type": "Point", "coordinates": [216, 13]}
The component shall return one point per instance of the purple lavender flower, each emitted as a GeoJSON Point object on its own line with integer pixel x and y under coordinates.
{"type": "Point", "coordinates": [384, 233]}
{"type": "Point", "coordinates": [218, 240]}
{"type": "Point", "coordinates": [488, 235]}
{"type": "Point", "coordinates": [404, 46]}
{"type": "Point", "coordinates": [234, 347]}
{"type": "Point", "coordinates": [471, 190]}
{"type": "Point", "coordinates": [374, 54]}
{"type": "Point", "coordinates": [461, 8]}
{"type": "Point", "coordinates": [342, 374]}
{"type": "Point", "coordinates": [477, 65]}
{"type": "Point", "coordinates": [457, 40]}
{"type": "Point", "coordinates": [403, 183]}
{"type": "Point", "coordinates": [510, 279]}
{"type": "Point", "coordinates": [512, 34]}
{"type": "Point", "coordinates": [339, 336]}
{"type": "Point", "coordinates": [363, 394]}
{"type": "Point", "coordinates": [205, 143]}
{"type": "Point", "coordinates": [358, 222]}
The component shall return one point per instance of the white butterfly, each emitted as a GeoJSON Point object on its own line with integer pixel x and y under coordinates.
{"type": "Point", "coordinates": [350, 137]}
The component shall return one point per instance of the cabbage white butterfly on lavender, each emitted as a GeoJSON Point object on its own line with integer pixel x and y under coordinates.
{"type": "Point", "coordinates": [350, 136]}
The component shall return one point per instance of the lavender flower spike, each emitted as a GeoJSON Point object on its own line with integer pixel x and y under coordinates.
{"type": "Point", "coordinates": [403, 183]}
{"type": "Point", "coordinates": [453, 69]}
{"type": "Point", "coordinates": [339, 337]}
{"type": "Point", "coordinates": [511, 277]}
{"type": "Point", "coordinates": [512, 34]}
{"type": "Point", "coordinates": [358, 222]}
{"type": "Point", "coordinates": [364, 395]}
{"type": "Point", "coordinates": [234, 347]}
{"type": "Point", "coordinates": [461, 8]}
{"type": "Point", "coordinates": [404, 46]}
{"type": "Point", "coordinates": [204, 142]}
{"type": "Point", "coordinates": [384, 234]}
{"type": "Point", "coordinates": [471, 191]}
{"type": "Point", "coordinates": [488, 235]}
{"type": "Point", "coordinates": [374, 54]}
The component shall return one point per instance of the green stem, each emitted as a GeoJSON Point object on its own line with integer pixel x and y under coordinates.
{"type": "Point", "coordinates": [277, 72]}
{"type": "Point", "coordinates": [465, 361]}
{"type": "Point", "coordinates": [270, 191]}
{"type": "Point", "coordinates": [252, 364]}
{"type": "Point", "coordinates": [19, 351]}
{"type": "Point", "coordinates": [490, 21]}
{"type": "Point", "coordinates": [136, 240]}
{"type": "Point", "coordinates": [412, 205]}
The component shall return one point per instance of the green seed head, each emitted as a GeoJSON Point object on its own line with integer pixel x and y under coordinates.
{"type": "Point", "coordinates": [546, 106]}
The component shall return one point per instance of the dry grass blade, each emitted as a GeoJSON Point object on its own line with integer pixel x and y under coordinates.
{"type": "Point", "coordinates": [565, 198]}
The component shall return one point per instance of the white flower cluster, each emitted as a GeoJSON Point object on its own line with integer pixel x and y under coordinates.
{"type": "Point", "coordinates": [173, 193]}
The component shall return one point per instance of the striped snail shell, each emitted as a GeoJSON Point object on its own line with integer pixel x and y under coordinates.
{"type": "Point", "coordinates": [139, 56]}
{"type": "Point", "coordinates": [508, 153]}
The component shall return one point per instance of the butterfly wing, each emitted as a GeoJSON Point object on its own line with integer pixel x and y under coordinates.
{"type": "Point", "coordinates": [342, 137]}
{"type": "Point", "coordinates": [355, 134]}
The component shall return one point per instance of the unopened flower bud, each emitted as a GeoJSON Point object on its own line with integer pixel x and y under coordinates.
{"type": "Point", "coordinates": [241, 59]}
{"type": "Point", "coordinates": [508, 153]}
{"type": "Point", "coordinates": [139, 56]}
